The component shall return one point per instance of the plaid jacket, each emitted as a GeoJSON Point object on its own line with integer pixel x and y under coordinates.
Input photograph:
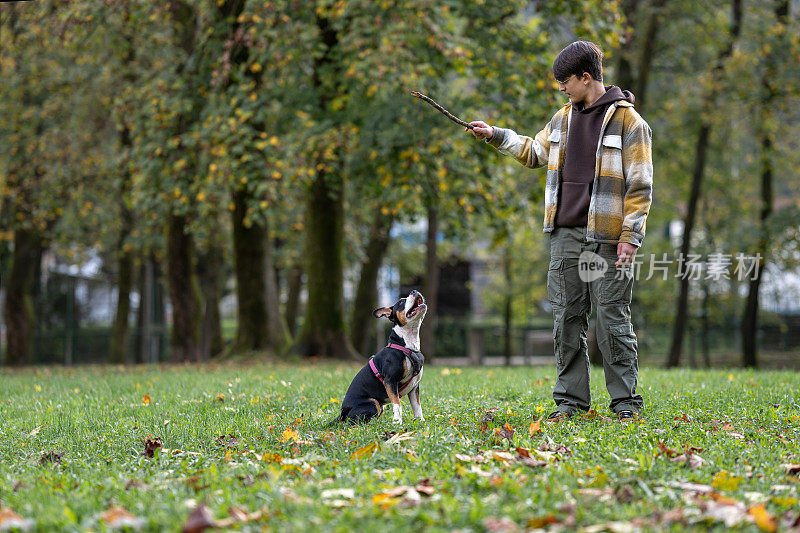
{"type": "Point", "coordinates": [623, 184]}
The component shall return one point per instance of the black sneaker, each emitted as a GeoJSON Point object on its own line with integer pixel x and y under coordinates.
{"type": "Point", "coordinates": [627, 414]}
{"type": "Point", "coordinates": [558, 416]}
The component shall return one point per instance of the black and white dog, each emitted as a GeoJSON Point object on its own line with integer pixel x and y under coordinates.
{"type": "Point", "coordinates": [393, 372]}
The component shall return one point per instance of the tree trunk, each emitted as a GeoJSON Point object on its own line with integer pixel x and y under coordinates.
{"type": "Point", "coordinates": [209, 270]}
{"type": "Point", "coordinates": [750, 318]}
{"type": "Point", "coordinates": [184, 292]}
{"type": "Point", "coordinates": [431, 291]}
{"type": "Point", "coordinates": [18, 310]}
{"type": "Point", "coordinates": [361, 320]}
{"type": "Point", "coordinates": [323, 327]}
{"type": "Point", "coordinates": [679, 326]}
{"type": "Point", "coordinates": [295, 281]}
{"type": "Point", "coordinates": [648, 45]}
{"type": "Point", "coordinates": [323, 330]}
{"type": "Point", "coordinates": [118, 350]}
{"type": "Point", "coordinates": [508, 302]}
{"type": "Point", "coordinates": [256, 330]}
{"type": "Point", "coordinates": [701, 148]}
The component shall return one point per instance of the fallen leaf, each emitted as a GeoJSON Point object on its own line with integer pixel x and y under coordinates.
{"type": "Point", "coordinates": [664, 450]}
{"type": "Point", "coordinates": [724, 481]}
{"type": "Point", "coordinates": [199, 520]}
{"type": "Point", "coordinates": [728, 511]}
{"type": "Point", "coordinates": [558, 449]}
{"type": "Point", "coordinates": [488, 416]}
{"type": "Point", "coordinates": [542, 522]}
{"type": "Point", "coordinates": [398, 437]}
{"type": "Point", "coordinates": [34, 432]}
{"type": "Point", "coordinates": [289, 435]}
{"type": "Point", "coordinates": [692, 460]}
{"type": "Point", "coordinates": [51, 457]}
{"type": "Point", "coordinates": [792, 469]}
{"type": "Point", "coordinates": [118, 517]}
{"type": "Point", "coordinates": [231, 441]}
{"type": "Point", "coordinates": [338, 497]}
{"type": "Point", "coordinates": [150, 445]}
{"type": "Point", "coordinates": [365, 452]}
{"type": "Point", "coordinates": [424, 487]}
{"type": "Point", "coordinates": [146, 399]}
{"type": "Point", "coordinates": [693, 487]}
{"type": "Point", "coordinates": [624, 494]}
{"type": "Point", "coordinates": [9, 520]}
{"type": "Point", "coordinates": [536, 427]}
{"type": "Point", "coordinates": [612, 527]}
{"type": "Point", "coordinates": [500, 525]}
{"type": "Point", "coordinates": [764, 520]}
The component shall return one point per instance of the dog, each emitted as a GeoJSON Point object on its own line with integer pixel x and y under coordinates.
{"type": "Point", "coordinates": [395, 371]}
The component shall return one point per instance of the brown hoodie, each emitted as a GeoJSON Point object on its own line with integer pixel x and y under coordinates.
{"type": "Point", "coordinates": [577, 176]}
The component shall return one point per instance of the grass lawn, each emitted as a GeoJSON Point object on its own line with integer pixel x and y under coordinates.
{"type": "Point", "coordinates": [247, 445]}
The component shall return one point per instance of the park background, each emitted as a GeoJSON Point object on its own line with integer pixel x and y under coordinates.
{"type": "Point", "coordinates": [183, 181]}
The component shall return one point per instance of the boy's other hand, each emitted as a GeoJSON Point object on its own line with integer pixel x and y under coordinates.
{"type": "Point", "coordinates": [481, 130]}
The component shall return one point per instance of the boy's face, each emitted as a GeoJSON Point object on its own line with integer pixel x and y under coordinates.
{"type": "Point", "coordinates": [574, 87]}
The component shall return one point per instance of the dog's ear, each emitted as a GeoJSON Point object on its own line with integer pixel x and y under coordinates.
{"type": "Point", "coordinates": [384, 312]}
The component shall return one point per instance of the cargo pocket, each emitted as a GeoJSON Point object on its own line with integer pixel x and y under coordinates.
{"type": "Point", "coordinates": [623, 342]}
{"type": "Point", "coordinates": [557, 345]}
{"type": "Point", "coordinates": [555, 282]}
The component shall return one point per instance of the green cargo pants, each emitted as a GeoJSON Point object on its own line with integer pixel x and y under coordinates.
{"type": "Point", "coordinates": [573, 288]}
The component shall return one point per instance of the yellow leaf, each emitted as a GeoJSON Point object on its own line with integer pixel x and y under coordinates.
{"type": "Point", "coordinates": [384, 500]}
{"type": "Point", "coordinates": [146, 399]}
{"type": "Point", "coordinates": [364, 452]}
{"type": "Point", "coordinates": [289, 434]}
{"type": "Point", "coordinates": [724, 481]}
{"type": "Point", "coordinates": [536, 427]}
{"type": "Point", "coordinates": [764, 520]}
{"type": "Point", "coordinates": [334, 400]}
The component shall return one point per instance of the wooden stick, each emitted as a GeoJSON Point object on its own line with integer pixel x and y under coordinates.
{"type": "Point", "coordinates": [443, 110]}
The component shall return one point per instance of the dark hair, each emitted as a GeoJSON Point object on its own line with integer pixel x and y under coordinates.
{"type": "Point", "coordinates": [577, 58]}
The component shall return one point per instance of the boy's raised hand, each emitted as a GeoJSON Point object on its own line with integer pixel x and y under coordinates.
{"type": "Point", "coordinates": [481, 130]}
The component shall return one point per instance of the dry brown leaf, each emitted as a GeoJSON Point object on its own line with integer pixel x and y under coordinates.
{"type": "Point", "coordinates": [230, 441]}
{"type": "Point", "coordinates": [542, 521]}
{"type": "Point", "coordinates": [505, 432]}
{"type": "Point", "coordinates": [624, 494]}
{"type": "Point", "coordinates": [612, 527]}
{"type": "Point", "coordinates": [51, 457]}
{"type": "Point", "coordinates": [488, 416]}
{"type": "Point", "coordinates": [694, 487]}
{"type": "Point", "coordinates": [199, 520]}
{"type": "Point", "coordinates": [536, 427]}
{"type": "Point", "coordinates": [150, 445]}
{"type": "Point", "coordinates": [692, 460]}
{"type": "Point", "coordinates": [119, 517]}
{"type": "Point", "coordinates": [792, 469]}
{"type": "Point", "coordinates": [559, 449]}
{"type": "Point", "coordinates": [424, 487]}
{"type": "Point", "coordinates": [9, 520]}
{"type": "Point", "coordinates": [500, 525]}
{"type": "Point", "coordinates": [664, 450]}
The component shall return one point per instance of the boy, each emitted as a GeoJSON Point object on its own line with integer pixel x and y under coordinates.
{"type": "Point", "coordinates": [598, 190]}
